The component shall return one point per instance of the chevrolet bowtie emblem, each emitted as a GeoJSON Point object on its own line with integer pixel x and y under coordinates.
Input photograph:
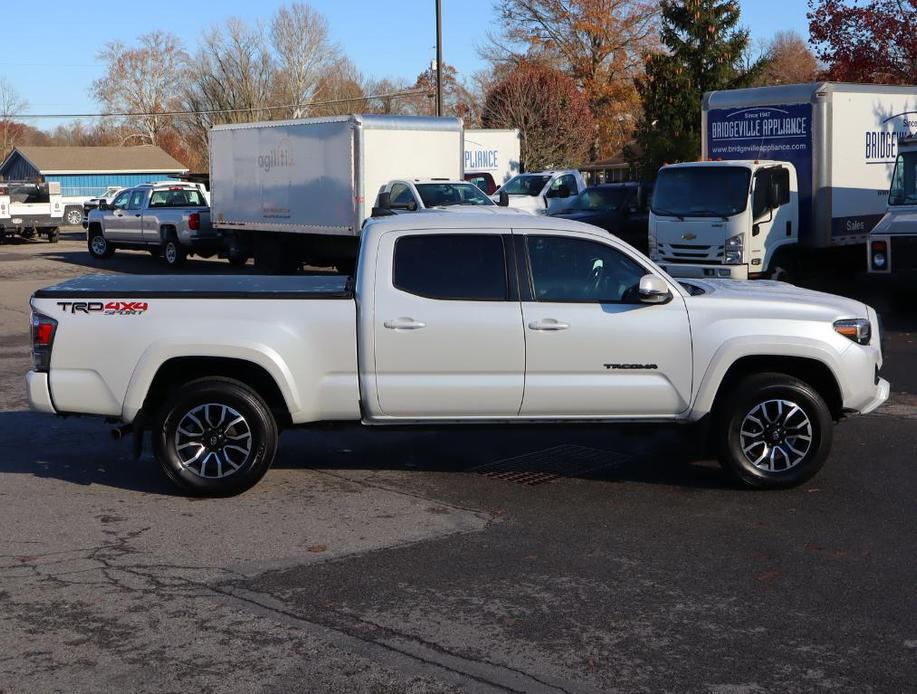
{"type": "Point", "coordinates": [689, 237]}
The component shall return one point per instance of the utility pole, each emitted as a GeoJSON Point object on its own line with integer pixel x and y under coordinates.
{"type": "Point", "coordinates": [439, 57]}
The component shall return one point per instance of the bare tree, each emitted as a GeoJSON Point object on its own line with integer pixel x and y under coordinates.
{"type": "Point", "coordinates": [342, 91]}
{"type": "Point", "coordinates": [230, 80]}
{"type": "Point", "coordinates": [11, 104]}
{"type": "Point", "coordinates": [143, 79]}
{"type": "Point", "coordinates": [388, 105]}
{"type": "Point", "coordinates": [305, 55]}
{"type": "Point", "coordinates": [787, 60]}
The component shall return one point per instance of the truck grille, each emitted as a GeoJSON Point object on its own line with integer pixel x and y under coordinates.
{"type": "Point", "coordinates": [904, 253]}
{"type": "Point", "coordinates": [690, 253]}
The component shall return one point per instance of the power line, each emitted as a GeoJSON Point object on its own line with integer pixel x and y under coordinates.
{"type": "Point", "coordinates": [203, 112]}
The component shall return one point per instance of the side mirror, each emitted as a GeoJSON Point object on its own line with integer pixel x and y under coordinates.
{"type": "Point", "coordinates": [654, 290]}
{"type": "Point", "coordinates": [504, 199]}
{"type": "Point", "coordinates": [409, 206]}
{"type": "Point", "coordinates": [383, 206]}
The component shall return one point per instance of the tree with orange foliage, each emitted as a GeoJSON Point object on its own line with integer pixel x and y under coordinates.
{"type": "Point", "coordinates": [598, 43]}
{"type": "Point", "coordinates": [551, 113]}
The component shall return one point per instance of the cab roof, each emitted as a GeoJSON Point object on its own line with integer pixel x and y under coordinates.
{"type": "Point", "coordinates": [747, 163]}
{"type": "Point", "coordinates": [477, 222]}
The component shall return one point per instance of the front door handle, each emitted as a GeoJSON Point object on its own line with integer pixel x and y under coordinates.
{"type": "Point", "coordinates": [404, 324]}
{"type": "Point", "coordinates": [548, 324]}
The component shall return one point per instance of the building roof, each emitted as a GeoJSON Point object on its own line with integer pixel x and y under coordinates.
{"type": "Point", "coordinates": [64, 160]}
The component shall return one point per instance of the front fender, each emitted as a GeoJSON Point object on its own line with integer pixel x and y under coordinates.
{"type": "Point", "coordinates": [761, 346]}
{"type": "Point", "coordinates": [162, 351]}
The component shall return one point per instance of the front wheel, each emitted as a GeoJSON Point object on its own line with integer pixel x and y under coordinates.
{"type": "Point", "coordinates": [215, 437]}
{"type": "Point", "coordinates": [99, 247]}
{"type": "Point", "coordinates": [774, 431]}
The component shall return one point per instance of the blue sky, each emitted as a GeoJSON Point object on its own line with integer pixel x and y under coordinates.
{"type": "Point", "coordinates": [52, 61]}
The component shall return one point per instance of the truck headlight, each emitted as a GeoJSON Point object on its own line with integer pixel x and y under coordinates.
{"type": "Point", "coordinates": [857, 329]}
{"type": "Point", "coordinates": [734, 253]}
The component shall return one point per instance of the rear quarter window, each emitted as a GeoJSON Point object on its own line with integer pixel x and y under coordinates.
{"type": "Point", "coordinates": [452, 267]}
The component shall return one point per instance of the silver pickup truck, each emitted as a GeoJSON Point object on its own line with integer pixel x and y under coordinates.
{"type": "Point", "coordinates": [167, 219]}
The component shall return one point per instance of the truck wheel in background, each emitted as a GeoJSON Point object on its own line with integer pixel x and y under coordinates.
{"type": "Point", "coordinates": [774, 431]}
{"type": "Point", "coordinates": [273, 256]}
{"type": "Point", "coordinates": [173, 253]}
{"type": "Point", "coordinates": [73, 216]}
{"type": "Point", "coordinates": [784, 267]}
{"type": "Point", "coordinates": [214, 437]}
{"type": "Point", "coordinates": [53, 235]}
{"type": "Point", "coordinates": [237, 259]}
{"type": "Point", "coordinates": [99, 247]}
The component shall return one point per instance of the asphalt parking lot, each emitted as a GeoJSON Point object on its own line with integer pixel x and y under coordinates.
{"type": "Point", "coordinates": [409, 561]}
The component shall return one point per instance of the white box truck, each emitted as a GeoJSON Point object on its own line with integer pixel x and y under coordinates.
{"type": "Point", "coordinates": [492, 157]}
{"type": "Point", "coordinates": [299, 190]}
{"type": "Point", "coordinates": [837, 140]}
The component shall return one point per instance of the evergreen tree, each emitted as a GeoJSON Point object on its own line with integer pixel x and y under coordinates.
{"type": "Point", "coordinates": [706, 50]}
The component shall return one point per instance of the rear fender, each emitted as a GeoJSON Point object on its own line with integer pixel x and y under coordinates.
{"type": "Point", "coordinates": [159, 353]}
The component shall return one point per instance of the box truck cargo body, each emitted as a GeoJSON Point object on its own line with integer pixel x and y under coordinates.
{"type": "Point", "coordinates": [841, 138]}
{"type": "Point", "coordinates": [299, 190]}
{"type": "Point", "coordinates": [492, 157]}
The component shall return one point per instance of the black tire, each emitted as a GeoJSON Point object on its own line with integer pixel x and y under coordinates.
{"type": "Point", "coordinates": [99, 247]}
{"type": "Point", "coordinates": [275, 257]}
{"type": "Point", "coordinates": [175, 450]}
{"type": "Point", "coordinates": [73, 216]}
{"type": "Point", "coordinates": [784, 458]}
{"type": "Point", "coordinates": [173, 253]}
{"type": "Point", "coordinates": [53, 235]}
{"type": "Point", "coordinates": [237, 259]}
{"type": "Point", "coordinates": [784, 267]}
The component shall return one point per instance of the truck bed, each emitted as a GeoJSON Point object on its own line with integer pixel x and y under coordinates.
{"type": "Point", "coordinates": [200, 287]}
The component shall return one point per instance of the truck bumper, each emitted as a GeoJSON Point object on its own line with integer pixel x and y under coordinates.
{"type": "Point", "coordinates": [879, 396]}
{"type": "Point", "coordinates": [734, 272]}
{"type": "Point", "coordinates": [39, 393]}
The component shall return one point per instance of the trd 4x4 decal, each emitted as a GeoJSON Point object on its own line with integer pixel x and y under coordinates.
{"type": "Point", "coordinates": [110, 308]}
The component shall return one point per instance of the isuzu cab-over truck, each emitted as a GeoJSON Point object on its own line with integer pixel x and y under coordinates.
{"type": "Point", "coordinates": [450, 319]}
{"type": "Point", "coordinates": [827, 148]}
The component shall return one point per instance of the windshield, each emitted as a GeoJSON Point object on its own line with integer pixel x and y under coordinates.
{"type": "Point", "coordinates": [599, 199]}
{"type": "Point", "coordinates": [904, 181]}
{"type": "Point", "coordinates": [525, 184]}
{"type": "Point", "coordinates": [445, 194]}
{"type": "Point", "coordinates": [177, 197]}
{"type": "Point", "coordinates": [701, 191]}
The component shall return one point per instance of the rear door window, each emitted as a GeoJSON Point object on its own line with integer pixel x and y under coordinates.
{"type": "Point", "coordinates": [451, 267]}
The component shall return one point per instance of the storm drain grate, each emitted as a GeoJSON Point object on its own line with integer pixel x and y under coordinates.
{"type": "Point", "coordinates": [541, 467]}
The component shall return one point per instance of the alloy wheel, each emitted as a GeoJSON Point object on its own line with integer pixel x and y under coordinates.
{"type": "Point", "coordinates": [776, 435]}
{"type": "Point", "coordinates": [213, 441]}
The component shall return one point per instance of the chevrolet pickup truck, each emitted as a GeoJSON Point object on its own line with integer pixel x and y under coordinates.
{"type": "Point", "coordinates": [454, 319]}
{"type": "Point", "coordinates": [171, 220]}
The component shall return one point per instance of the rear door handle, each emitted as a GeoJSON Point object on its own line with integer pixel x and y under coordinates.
{"type": "Point", "coordinates": [548, 324]}
{"type": "Point", "coordinates": [404, 324]}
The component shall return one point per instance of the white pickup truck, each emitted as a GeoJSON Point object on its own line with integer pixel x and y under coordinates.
{"type": "Point", "coordinates": [454, 319]}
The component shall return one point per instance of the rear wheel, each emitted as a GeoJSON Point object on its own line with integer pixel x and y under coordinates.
{"type": "Point", "coordinates": [215, 437]}
{"type": "Point", "coordinates": [53, 235]}
{"type": "Point", "coordinates": [237, 259]}
{"type": "Point", "coordinates": [73, 216]}
{"type": "Point", "coordinates": [99, 247]}
{"type": "Point", "coordinates": [173, 253]}
{"type": "Point", "coordinates": [774, 431]}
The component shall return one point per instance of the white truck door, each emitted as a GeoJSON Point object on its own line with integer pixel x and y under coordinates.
{"type": "Point", "coordinates": [592, 349]}
{"type": "Point", "coordinates": [447, 327]}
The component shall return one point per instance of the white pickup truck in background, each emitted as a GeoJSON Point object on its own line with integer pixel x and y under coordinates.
{"type": "Point", "coordinates": [30, 209]}
{"type": "Point", "coordinates": [543, 192]}
{"type": "Point", "coordinates": [419, 194]}
{"type": "Point", "coordinates": [455, 319]}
